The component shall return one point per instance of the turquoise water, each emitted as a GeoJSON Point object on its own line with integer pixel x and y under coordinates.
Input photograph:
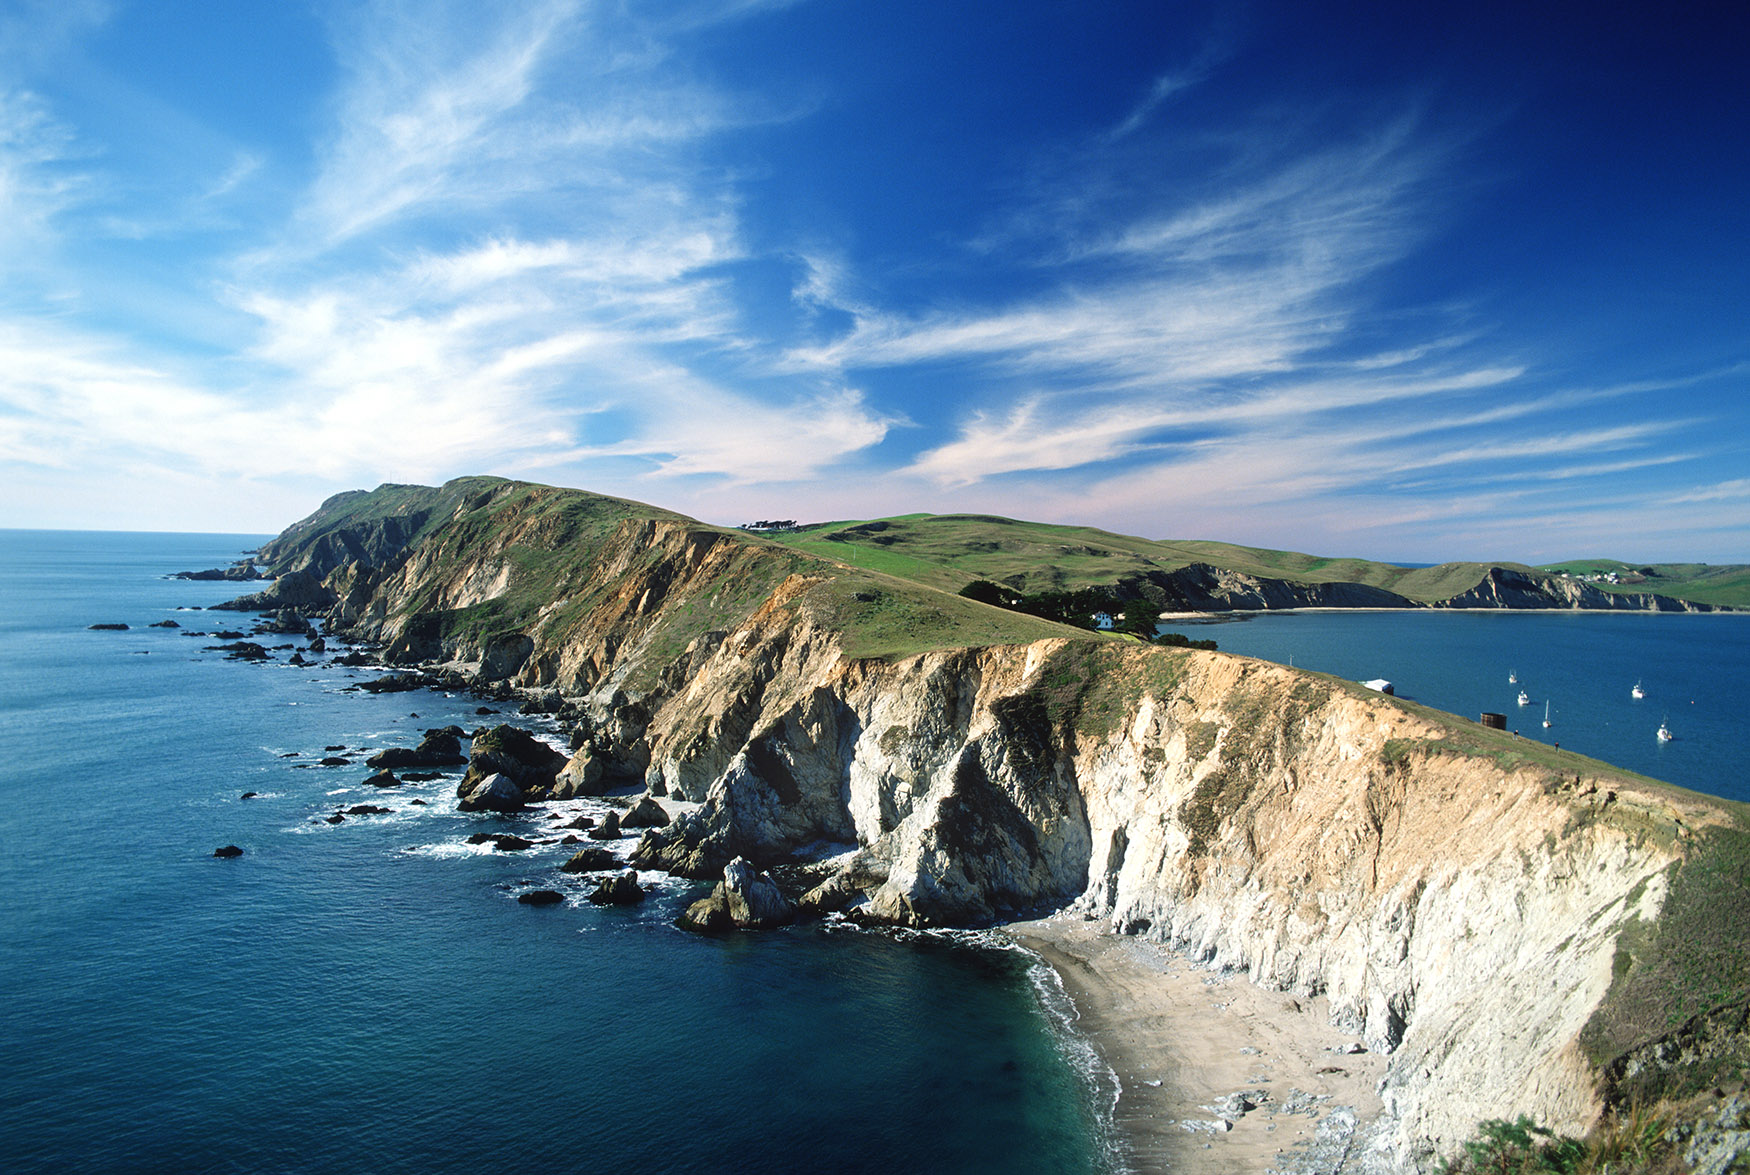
{"type": "Point", "coordinates": [1694, 670]}
{"type": "Point", "coordinates": [368, 996]}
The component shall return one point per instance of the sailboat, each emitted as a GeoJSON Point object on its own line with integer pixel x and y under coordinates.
{"type": "Point", "coordinates": [1513, 677]}
{"type": "Point", "coordinates": [1546, 713]}
{"type": "Point", "coordinates": [1664, 734]}
{"type": "Point", "coordinates": [1637, 692]}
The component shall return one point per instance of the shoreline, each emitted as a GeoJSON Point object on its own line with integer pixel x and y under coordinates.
{"type": "Point", "coordinates": [1191, 1048]}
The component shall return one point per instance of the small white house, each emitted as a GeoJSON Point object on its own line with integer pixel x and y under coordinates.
{"type": "Point", "coordinates": [1103, 620]}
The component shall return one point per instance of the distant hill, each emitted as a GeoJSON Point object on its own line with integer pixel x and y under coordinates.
{"type": "Point", "coordinates": [1724, 584]}
{"type": "Point", "coordinates": [950, 550]}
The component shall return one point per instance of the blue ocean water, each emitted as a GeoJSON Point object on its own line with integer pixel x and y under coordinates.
{"type": "Point", "coordinates": [1694, 670]}
{"type": "Point", "coordinates": [368, 995]}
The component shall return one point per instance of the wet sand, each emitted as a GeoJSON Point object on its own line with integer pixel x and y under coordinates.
{"type": "Point", "coordinates": [1183, 1040]}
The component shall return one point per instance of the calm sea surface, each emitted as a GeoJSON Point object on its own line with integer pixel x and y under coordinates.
{"type": "Point", "coordinates": [1693, 668]}
{"type": "Point", "coordinates": [368, 996]}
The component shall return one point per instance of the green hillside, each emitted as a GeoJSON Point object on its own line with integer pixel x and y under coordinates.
{"type": "Point", "coordinates": [1725, 584]}
{"type": "Point", "coordinates": [951, 550]}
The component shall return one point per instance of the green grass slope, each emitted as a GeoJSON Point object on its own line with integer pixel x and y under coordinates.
{"type": "Point", "coordinates": [950, 550]}
{"type": "Point", "coordinates": [1726, 584]}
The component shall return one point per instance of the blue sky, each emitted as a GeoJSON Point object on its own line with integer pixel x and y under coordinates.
{"type": "Point", "coordinates": [1376, 280]}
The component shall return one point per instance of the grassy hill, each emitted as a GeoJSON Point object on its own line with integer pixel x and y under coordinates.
{"type": "Point", "coordinates": [1706, 583]}
{"type": "Point", "coordinates": [950, 550]}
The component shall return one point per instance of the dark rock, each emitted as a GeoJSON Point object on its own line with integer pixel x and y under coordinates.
{"type": "Point", "coordinates": [369, 810]}
{"type": "Point", "coordinates": [591, 860]}
{"type": "Point", "coordinates": [335, 747]}
{"type": "Point", "coordinates": [296, 659]}
{"type": "Point", "coordinates": [165, 624]}
{"type": "Point", "coordinates": [754, 900]}
{"type": "Point", "coordinates": [317, 646]}
{"type": "Point", "coordinates": [226, 636]}
{"type": "Point", "coordinates": [508, 750]}
{"type": "Point", "coordinates": [541, 897]}
{"type": "Point", "coordinates": [439, 748]}
{"type": "Point", "coordinates": [228, 851]}
{"type": "Point", "coordinates": [421, 776]}
{"type": "Point", "coordinates": [582, 822]}
{"type": "Point", "coordinates": [494, 793]}
{"type": "Point", "coordinates": [708, 915]}
{"type": "Point", "coordinates": [393, 683]}
{"type": "Point", "coordinates": [337, 818]}
{"type": "Point", "coordinates": [484, 710]}
{"type": "Point", "coordinates": [241, 571]}
{"type": "Point", "coordinates": [239, 651]}
{"type": "Point", "coordinates": [107, 627]}
{"type": "Point", "coordinates": [336, 761]}
{"type": "Point", "coordinates": [354, 660]}
{"type": "Point", "coordinates": [295, 589]}
{"type": "Point", "coordinates": [610, 829]}
{"type": "Point", "coordinates": [248, 795]}
{"type": "Point", "coordinates": [420, 803]}
{"type": "Point", "coordinates": [571, 838]}
{"type": "Point", "coordinates": [646, 813]}
{"type": "Point", "coordinates": [622, 889]}
{"type": "Point", "coordinates": [512, 844]}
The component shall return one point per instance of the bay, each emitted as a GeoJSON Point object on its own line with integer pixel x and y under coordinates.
{"type": "Point", "coordinates": [368, 995]}
{"type": "Point", "coordinates": [1694, 669]}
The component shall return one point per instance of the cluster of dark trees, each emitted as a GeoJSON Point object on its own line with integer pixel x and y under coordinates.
{"type": "Point", "coordinates": [771, 524]}
{"type": "Point", "coordinates": [1080, 607]}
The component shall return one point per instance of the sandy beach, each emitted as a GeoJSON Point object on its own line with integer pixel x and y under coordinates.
{"type": "Point", "coordinates": [1193, 1049]}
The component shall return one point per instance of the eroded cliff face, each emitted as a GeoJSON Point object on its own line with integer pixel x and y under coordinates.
{"type": "Point", "coordinates": [1460, 907]}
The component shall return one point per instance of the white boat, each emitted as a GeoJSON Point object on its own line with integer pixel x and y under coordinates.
{"type": "Point", "coordinates": [1664, 734]}
{"type": "Point", "coordinates": [1637, 692]}
{"type": "Point", "coordinates": [1524, 698]}
{"type": "Point", "coordinates": [1546, 713]}
{"type": "Point", "coordinates": [1513, 677]}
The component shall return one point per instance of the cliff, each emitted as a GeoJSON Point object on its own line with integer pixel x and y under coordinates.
{"type": "Point", "coordinates": [1524, 932]}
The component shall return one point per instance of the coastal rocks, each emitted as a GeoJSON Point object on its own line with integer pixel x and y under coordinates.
{"type": "Point", "coordinates": [441, 747]}
{"type": "Point", "coordinates": [646, 813]}
{"type": "Point", "coordinates": [745, 899]}
{"type": "Point", "coordinates": [384, 778]}
{"type": "Point", "coordinates": [242, 570]}
{"type": "Point", "coordinates": [164, 624]}
{"type": "Point", "coordinates": [582, 775]}
{"type": "Point", "coordinates": [392, 683]}
{"type": "Point", "coordinates": [296, 589]}
{"type": "Point", "coordinates": [609, 828]}
{"type": "Point", "coordinates": [227, 851]}
{"type": "Point", "coordinates": [504, 842]}
{"type": "Point", "coordinates": [590, 860]}
{"type": "Point", "coordinates": [620, 890]}
{"type": "Point", "coordinates": [106, 627]}
{"type": "Point", "coordinates": [540, 897]}
{"type": "Point", "coordinates": [510, 751]}
{"type": "Point", "coordinates": [492, 793]}
{"type": "Point", "coordinates": [753, 898]}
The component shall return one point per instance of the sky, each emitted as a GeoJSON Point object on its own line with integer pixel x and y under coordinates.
{"type": "Point", "coordinates": [1408, 282]}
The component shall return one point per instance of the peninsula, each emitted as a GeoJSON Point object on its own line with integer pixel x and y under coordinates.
{"type": "Point", "coordinates": [1500, 930]}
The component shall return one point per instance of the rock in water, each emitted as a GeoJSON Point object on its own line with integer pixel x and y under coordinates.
{"type": "Point", "coordinates": [610, 829]}
{"type": "Point", "coordinates": [582, 775]}
{"type": "Point", "coordinates": [708, 915]}
{"type": "Point", "coordinates": [590, 860]}
{"type": "Point", "coordinates": [646, 813]}
{"type": "Point", "coordinates": [620, 890]}
{"type": "Point", "coordinates": [228, 851]}
{"type": "Point", "coordinates": [494, 793]}
{"type": "Point", "coordinates": [753, 898]}
{"type": "Point", "coordinates": [515, 753]}
{"type": "Point", "coordinates": [541, 897]}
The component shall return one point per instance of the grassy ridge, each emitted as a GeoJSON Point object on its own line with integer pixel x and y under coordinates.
{"type": "Point", "coordinates": [1705, 583]}
{"type": "Point", "coordinates": [949, 550]}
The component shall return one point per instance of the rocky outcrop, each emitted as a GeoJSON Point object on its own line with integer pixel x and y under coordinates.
{"type": "Point", "coordinates": [491, 793]}
{"type": "Point", "coordinates": [300, 589]}
{"type": "Point", "coordinates": [515, 754]}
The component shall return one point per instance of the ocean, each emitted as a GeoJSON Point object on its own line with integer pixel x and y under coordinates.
{"type": "Point", "coordinates": [1694, 670]}
{"type": "Point", "coordinates": [368, 995]}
